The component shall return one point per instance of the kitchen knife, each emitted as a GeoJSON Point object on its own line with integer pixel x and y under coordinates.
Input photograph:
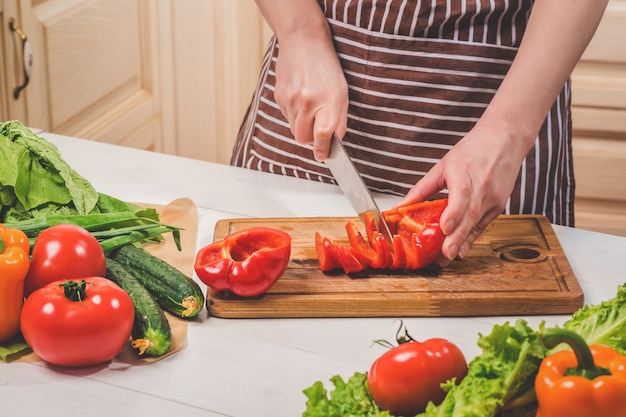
{"type": "Point", "coordinates": [353, 186]}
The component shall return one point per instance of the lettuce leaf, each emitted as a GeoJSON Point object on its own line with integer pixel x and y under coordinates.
{"type": "Point", "coordinates": [348, 399]}
{"type": "Point", "coordinates": [603, 323]}
{"type": "Point", "coordinates": [35, 181]}
{"type": "Point", "coordinates": [42, 175]}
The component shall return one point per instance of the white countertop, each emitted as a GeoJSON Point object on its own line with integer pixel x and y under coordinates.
{"type": "Point", "coordinates": [256, 367]}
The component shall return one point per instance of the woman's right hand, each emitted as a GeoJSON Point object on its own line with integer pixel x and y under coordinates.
{"type": "Point", "coordinates": [311, 89]}
{"type": "Point", "coordinates": [312, 92]}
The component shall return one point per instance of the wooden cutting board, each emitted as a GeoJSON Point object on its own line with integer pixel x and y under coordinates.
{"type": "Point", "coordinates": [516, 267]}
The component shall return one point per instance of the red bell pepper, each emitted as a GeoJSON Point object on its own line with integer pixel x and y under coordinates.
{"type": "Point", "coordinates": [247, 262]}
{"type": "Point", "coordinates": [417, 241]}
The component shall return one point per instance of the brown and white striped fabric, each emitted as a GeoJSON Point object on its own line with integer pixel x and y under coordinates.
{"type": "Point", "coordinates": [420, 74]}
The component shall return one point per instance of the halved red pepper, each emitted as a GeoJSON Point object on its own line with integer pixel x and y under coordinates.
{"type": "Point", "coordinates": [417, 240]}
{"type": "Point", "coordinates": [247, 262]}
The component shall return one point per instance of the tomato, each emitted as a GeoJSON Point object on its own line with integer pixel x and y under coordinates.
{"type": "Point", "coordinates": [405, 378]}
{"type": "Point", "coordinates": [78, 323]}
{"type": "Point", "coordinates": [64, 251]}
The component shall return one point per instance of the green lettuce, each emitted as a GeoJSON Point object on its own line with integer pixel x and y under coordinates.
{"type": "Point", "coordinates": [603, 323]}
{"type": "Point", "coordinates": [348, 399]}
{"type": "Point", "coordinates": [35, 181]}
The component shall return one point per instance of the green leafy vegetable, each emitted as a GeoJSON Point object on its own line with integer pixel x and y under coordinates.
{"type": "Point", "coordinates": [603, 323]}
{"type": "Point", "coordinates": [35, 181]}
{"type": "Point", "coordinates": [349, 398]}
{"type": "Point", "coordinates": [38, 189]}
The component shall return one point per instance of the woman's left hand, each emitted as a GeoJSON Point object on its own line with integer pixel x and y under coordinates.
{"type": "Point", "coordinates": [479, 174]}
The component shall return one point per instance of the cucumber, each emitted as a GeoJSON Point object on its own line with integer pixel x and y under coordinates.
{"type": "Point", "coordinates": [151, 331]}
{"type": "Point", "coordinates": [174, 291]}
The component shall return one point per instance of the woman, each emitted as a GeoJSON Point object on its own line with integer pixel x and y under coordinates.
{"type": "Point", "coordinates": [471, 98]}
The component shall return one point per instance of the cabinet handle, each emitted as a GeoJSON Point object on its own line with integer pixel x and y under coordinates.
{"type": "Point", "coordinates": [27, 57]}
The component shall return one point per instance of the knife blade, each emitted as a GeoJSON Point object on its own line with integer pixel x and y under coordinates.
{"type": "Point", "coordinates": [353, 186]}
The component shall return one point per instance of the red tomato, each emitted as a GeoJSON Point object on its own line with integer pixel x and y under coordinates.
{"type": "Point", "coordinates": [405, 378]}
{"type": "Point", "coordinates": [64, 251]}
{"type": "Point", "coordinates": [67, 327]}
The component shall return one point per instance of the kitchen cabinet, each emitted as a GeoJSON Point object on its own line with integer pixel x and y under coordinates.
{"type": "Point", "coordinates": [152, 74]}
{"type": "Point", "coordinates": [98, 68]}
{"type": "Point", "coordinates": [599, 125]}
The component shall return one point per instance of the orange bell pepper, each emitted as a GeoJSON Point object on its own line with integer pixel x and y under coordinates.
{"type": "Point", "coordinates": [14, 263]}
{"type": "Point", "coordinates": [587, 381]}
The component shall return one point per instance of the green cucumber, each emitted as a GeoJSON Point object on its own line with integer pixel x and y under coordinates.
{"type": "Point", "coordinates": [174, 291]}
{"type": "Point", "coordinates": [151, 334]}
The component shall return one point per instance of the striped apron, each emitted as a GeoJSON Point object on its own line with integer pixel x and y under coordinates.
{"type": "Point", "coordinates": [420, 74]}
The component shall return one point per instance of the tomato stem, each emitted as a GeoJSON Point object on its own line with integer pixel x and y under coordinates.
{"type": "Point", "coordinates": [406, 337]}
{"type": "Point", "coordinates": [75, 290]}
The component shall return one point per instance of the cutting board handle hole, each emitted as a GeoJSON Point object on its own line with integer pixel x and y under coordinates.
{"type": "Point", "coordinates": [522, 254]}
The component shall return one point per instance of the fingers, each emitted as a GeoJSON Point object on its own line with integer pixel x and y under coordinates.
{"type": "Point", "coordinates": [477, 192]}
{"type": "Point", "coordinates": [312, 93]}
{"type": "Point", "coordinates": [327, 121]}
{"type": "Point", "coordinates": [427, 187]}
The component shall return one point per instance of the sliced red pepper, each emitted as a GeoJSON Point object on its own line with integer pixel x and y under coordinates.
{"type": "Point", "coordinates": [349, 260]}
{"type": "Point", "coordinates": [247, 262]}
{"type": "Point", "coordinates": [326, 253]}
{"type": "Point", "coordinates": [417, 240]}
{"type": "Point", "coordinates": [399, 253]}
{"type": "Point", "coordinates": [364, 252]}
{"type": "Point", "coordinates": [384, 258]}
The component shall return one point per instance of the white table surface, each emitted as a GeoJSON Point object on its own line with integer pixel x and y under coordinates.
{"type": "Point", "coordinates": [249, 367]}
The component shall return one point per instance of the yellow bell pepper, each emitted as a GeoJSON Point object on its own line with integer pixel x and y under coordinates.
{"type": "Point", "coordinates": [14, 263]}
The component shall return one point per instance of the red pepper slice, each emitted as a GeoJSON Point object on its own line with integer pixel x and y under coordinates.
{"type": "Point", "coordinates": [326, 253]}
{"type": "Point", "coordinates": [247, 262]}
{"type": "Point", "coordinates": [364, 252]}
{"type": "Point", "coordinates": [348, 258]}
{"type": "Point", "coordinates": [399, 253]}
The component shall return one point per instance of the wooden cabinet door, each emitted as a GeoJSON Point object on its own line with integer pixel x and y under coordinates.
{"type": "Point", "coordinates": [96, 69]}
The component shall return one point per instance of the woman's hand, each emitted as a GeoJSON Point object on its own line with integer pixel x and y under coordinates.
{"type": "Point", "coordinates": [311, 91]}
{"type": "Point", "coordinates": [479, 173]}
